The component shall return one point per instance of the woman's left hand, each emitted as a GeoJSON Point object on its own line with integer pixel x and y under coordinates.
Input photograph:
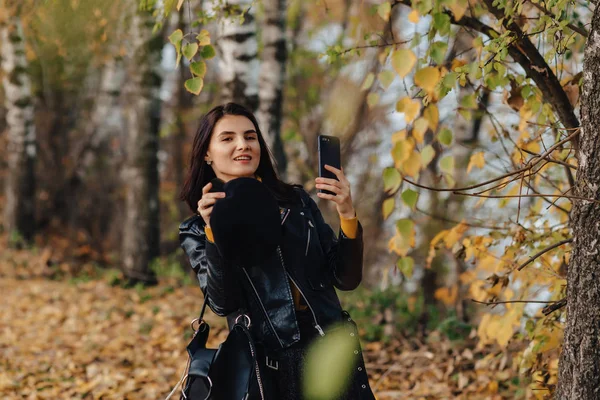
{"type": "Point", "coordinates": [341, 188]}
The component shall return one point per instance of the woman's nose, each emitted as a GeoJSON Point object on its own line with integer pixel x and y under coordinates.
{"type": "Point", "coordinates": [243, 144]}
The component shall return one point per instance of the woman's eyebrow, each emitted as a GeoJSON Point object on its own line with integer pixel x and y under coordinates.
{"type": "Point", "coordinates": [233, 133]}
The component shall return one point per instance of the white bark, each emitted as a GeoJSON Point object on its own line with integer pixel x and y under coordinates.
{"type": "Point", "coordinates": [272, 78]}
{"type": "Point", "coordinates": [142, 116]}
{"type": "Point", "coordinates": [21, 151]}
{"type": "Point", "coordinates": [238, 62]}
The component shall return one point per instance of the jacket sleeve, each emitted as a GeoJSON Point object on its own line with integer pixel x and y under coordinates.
{"type": "Point", "coordinates": [217, 279]}
{"type": "Point", "coordinates": [344, 255]}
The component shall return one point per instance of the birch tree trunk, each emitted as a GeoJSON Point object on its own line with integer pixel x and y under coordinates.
{"type": "Point", "coordinates": [19, 216]}
{"type": "Point", "coordinates": [142, 116]}
{"type": "Point", "coordinates": [272, 78]}
{"type": "Point", "coordinates": [238, 62]}
{"type": "Point", "coordinates": [579, 367]}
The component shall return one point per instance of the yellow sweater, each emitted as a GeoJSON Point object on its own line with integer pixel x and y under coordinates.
{"type": "Point", "coordinates": [349, 227]}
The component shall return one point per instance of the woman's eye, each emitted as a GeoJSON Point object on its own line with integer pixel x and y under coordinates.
{"type": "Point", "coordinates": [251, 138]}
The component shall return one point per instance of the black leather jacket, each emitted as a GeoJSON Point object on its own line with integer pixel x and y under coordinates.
{"type": "Point", "coordinates": [310, 255]}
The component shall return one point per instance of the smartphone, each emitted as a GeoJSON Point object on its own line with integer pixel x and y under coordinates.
{"type": "Point", "coordinates": [329, 153]}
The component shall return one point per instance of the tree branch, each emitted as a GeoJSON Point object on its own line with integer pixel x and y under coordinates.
{"type": "Point", "coordinates": [574, 28]}
{"type": "Point", "coordinates": [492, 303]}
{"type": "Point", "coordinates": [527, 55]}
{"type": "Point", "coordinates": [539, 254]}
{"type": "Point", "coordinates": [530, 164]}
{"type": "Point", "coordinates": [555, 306]}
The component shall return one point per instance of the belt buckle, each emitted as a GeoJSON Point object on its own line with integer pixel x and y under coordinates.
{"type": "Point", "coordinates": [273, 364]}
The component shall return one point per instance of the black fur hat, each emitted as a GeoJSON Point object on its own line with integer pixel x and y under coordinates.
{"type": "Point", "coordinates": [246, 224]}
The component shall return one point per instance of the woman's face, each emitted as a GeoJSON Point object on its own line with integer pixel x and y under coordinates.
{"type": "Point", "coordinates": [233, 148]}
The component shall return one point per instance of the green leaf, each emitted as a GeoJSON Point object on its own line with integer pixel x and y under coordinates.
{"type": "Point", "coordinates": [388, 207]}
{"type": "Point", "coordinates": [391, 180]}
{"type": "Point", "coordinates": [368, 81]}
{"type": "Point", "coordinates": [449, 80]}
{"type": "Point", "coordinates": [405, 228]}
{"type": "Point", "coordinates": [198, 68]}
{"type": "Point", "coordinates": [208, 52]}
{"type": "Point", "coordinates": [190, 50]}
{"type": "Point", "coordinates": [447, 165]}
{"type": "Point", "coordinates": [427, 155]}
{"type": "Point", "coordinates": [403, 60]}
{"type": "Point", "coordinates": [175, 38]}
{"type": "Point", "coordinates": [372, 99]}
{"type": "Point", "coordinates": [410, 197]}
{"type": "Point", "coordinates": [406, 266]}
{"type": "Point", "coordinates": [469, 101]}
{"type": "Point", "coordinates": [194, 85]}
{"type": "Point", "coordinates": [445, 137]}
{"type": "Point", "coordinates": [386, 78]}
{"type": "Point", "coordinates": [441, 22]}
{"type": "Point", "coordinates": [437, 51]}
{"type": "Point", "coordinates": [384, 10]}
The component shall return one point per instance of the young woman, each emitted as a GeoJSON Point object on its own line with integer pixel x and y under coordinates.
{"type": "Point", "coordinates": [292, 301]}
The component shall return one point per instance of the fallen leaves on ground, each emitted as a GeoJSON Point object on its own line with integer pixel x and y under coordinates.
{"type": "Point", "coordinates": [71, 339]}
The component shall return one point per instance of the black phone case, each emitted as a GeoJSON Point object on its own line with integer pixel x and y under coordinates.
{"type": "Point", "coordinates": [329, 153]}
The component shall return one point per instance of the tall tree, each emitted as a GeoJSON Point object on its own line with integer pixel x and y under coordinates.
{"type": "Point", "coordinates": [272, 77]}
{"type": "Point", "coordinates": [579, 367]}
{"type": "Point", "coordinates": [238, 62]}
{"type": "Point", "coordinates": [19, 210]}
{"type": "Point", "coordinates": [142, 115]}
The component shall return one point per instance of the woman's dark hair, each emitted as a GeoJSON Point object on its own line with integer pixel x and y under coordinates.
{"type": "Point", "coordinates": [199, 173]}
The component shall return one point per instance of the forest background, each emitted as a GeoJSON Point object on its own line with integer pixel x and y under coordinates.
{"type": "Point", "coordinates": [469, 133]}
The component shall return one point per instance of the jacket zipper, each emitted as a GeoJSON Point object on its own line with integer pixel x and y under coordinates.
{"type": "Point", "coordinates": [310, 225]}
{"type": "Point", "coordinates": [317, 326]}
{"type": "Point", "coordinates": [263, 307]}
{"type": "Point", "coordinates": [253, 352]}
{"type": "Point", "coordinates": [307, 243]}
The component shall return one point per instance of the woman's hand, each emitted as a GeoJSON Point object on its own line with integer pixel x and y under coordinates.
{"type": "Point", "coordinates": [206, 203]}
{"type": "Point", "coordinates": [341, 188]}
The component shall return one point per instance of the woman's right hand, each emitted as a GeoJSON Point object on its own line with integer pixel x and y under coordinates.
{"type": "Point", "coordinates": [206, 203]}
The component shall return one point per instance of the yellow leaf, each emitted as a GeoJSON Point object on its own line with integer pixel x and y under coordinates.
{"type": "Point", "coordinates": [476, 160]}
{"type": "Point", "coordinates": [397, 136]}
{"type": "Point", "coordinates": [447, 295]}
{"type": "Point", "coordinates": [412, 165]}
{"type": "Point", "coordinates": [403, 60]}
{"type": "Point", "coordinates": [458, 8]}
{"type": "Point", "coordinates": [427, 78]}
{"type": "Point", "coordinates": [388, 207]}
{"type": "Point", "coordinates": [454, 234]}
{"type": "Point", "coordinates": [203, 38]}
{"type": "Point", "coordinates": [413, 16]}
{"type": "Point", "coordinates": [419, 128]}
{"type": "Point", "coordinates": [432, 115]}
{"type": "Point", "coordinates": [179, 4]}
{"type": "Point", "coordinates": [457, 63]}
{"type": "Point", "coordinates": [404, 239]}
{"type": "Point", "coordinates": [401, 151]}
{"type": "Point", "coordinates": [409, 107]}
